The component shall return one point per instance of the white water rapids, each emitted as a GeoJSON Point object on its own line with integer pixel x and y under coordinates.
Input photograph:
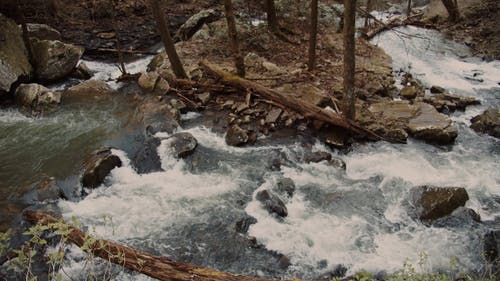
{"type": "Point", "coordinates": [357, 218]}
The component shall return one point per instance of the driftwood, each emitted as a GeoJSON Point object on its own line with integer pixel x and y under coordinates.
{"type": "Point", "coordinates": [397, 22]}
{"type": "Point", "coordinates": [304, 108]}
{"type": "Point", "coordinates": [161, 268]}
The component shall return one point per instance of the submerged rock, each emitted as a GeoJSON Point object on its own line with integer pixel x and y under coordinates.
{"type": "Point", "coordinates": [54, 59]}
{"type": "Point", "coordinates": [14, 61]}
{"type": "Point", "coordinates": [45, 190]}
{"type": "Point", "coordinates": [182, 144]}
{"type": "Point", "coordinates": [146, 159]}
{"type": "Point", "coordinates": [97, 168]}
{"type": "Point", "coordinates": [285, 186]}
{"type": "Point", "coordinates": [488, 122]}
{"type": "Point", "coordinates": [244, 224]}
{"type": "Point", "coordinates": [317, 157]}
{"type": "Point", "coordinates": [491, 246]}
{"type": "Point", "coordinates": [432, 203]}
{"type": "Point", "coordinates": [36, 97]}
{"type": "Point", "coordinates": [272, 203]}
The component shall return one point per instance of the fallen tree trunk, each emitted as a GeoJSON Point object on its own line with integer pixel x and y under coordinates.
{"type": "Point", "coordinates": [161, 268]}
{"type": "Point", "coordinates": [304, 108]}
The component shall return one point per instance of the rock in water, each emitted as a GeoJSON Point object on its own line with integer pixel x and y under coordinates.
{"type": "Point", "coordinates": [244, 224]}
{"type": "Point", "coordinates": [236, 136]}
{"type": "Point", "coordinates": [488, 122]}
{"type": "Point", "coordinates": [97, 168]}
{"type": "Point", "coordinates": [432, 203]}
{"type": "Point", "coordinates": [90, 89]}
{"type": "Point", "coordinates": [36, 97]}
{"type": "Point", "coordinates": [432, 126]}
{"type": "Point", "coordinates": [147, 160]}
{"type": "Point", "coordinates": [182, 144]}
{"type": "Point", "coordinates": [14, 61]}
{"type": "Point", "coordinates": [272, 203]}
{"type": "Point", "coordinates": [54, 59]}
{"type": "Point", "coordinates": [285, 186]}
{"type": "Point", "coordinates": [491, 246]}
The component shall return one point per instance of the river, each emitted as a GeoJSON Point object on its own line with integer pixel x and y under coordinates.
{"type": "Point", "coordinates": [338, 221]}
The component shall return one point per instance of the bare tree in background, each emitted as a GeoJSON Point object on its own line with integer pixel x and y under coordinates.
{"type": "Point", "coordinates": [161, 24]}
{"type": "Point", "coordinates": [272, 19]}
{"type": "Point", "coordinates": [452, 8]}
{"type": "Point", "coordinates": [368, 10]}
{"type": "Point", "coordinates": [313, 32]}
{"type": "Point", "coordinates": [349, 58]}
{"type": "Point", "coordinates": [408, 9]}
{"type": "Point", "coordinates": [233, 38]}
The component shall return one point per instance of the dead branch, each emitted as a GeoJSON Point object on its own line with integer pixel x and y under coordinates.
{"type": "Point", "coordinates": [161, 268]}
{"type": "Point", "coordinates": [303, 108]}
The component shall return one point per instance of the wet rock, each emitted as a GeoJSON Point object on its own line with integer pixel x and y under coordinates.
{"type": "Point", "coordinates": [337, 163]}
{"type": "Point", "coordinates": [334, 138]}
{"type": "Point", "coordinates": [448, 103]}
{"type": "Point", "coordinates": [285, 186]}
{"type": "Point", "coordinates": [42, 32]}
{"type": "Point", "coordinates": [148, 80]}
{"type": "Point", "coordinates": [432, 203]}
{"type": "Point", "coordinates": [204, 98]}
{"type": "Point", "coordinates": [461, 217]}
{"type": "Point", "coordinates": [236, 136]}
{"type": "Point", "coordinates": [317, 157]}
{"type": "Point", "coordinates": [147, 160]}
{"type": "Point", "coordinates": [284, 262]}
{"type": "Point", "coordinates": [244, 224]}
{"type": "Point", "coordinates": [90, 89]}
{"type": "Point", "coordinates": [488, 122]}
{"type": "Point", "coordinates": [272, 203]}
{"type": "Point", "coordinates": [491, 246]}
{"type": "Point", "coordinates": [98, 166]}
{"type": "Point", "coordinates": [409, 92]}
{"type": "Point", "coordinates": [162, 86]}
{"type": "Point", "coordinates": [182, 144]}
{"type": "Point", "coordinates": [157, 116]}
{"type": "Point", "coordinates": [432, 126]}
{"type": "Point", "coordinates": [36, 97]}
{"type": "Point", "coordinates": [54, 59]}
{"type": "Point", "coordinates": [13, 54]}
{"type": "Point", "coordinates": [82, 71]}
{"type": "Point", "coordinates": [437, 90]}
{"type": "Point", "coordinates": [273, 115]}
{"type": "Point", "coordinates": [195, 23]}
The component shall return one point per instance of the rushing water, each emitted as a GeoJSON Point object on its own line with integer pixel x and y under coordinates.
{"type": "Point", "coordinates": [356, 218]}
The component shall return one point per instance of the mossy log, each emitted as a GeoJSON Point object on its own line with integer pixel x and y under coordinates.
{"type": "Point", "coordinates": [304, 108]}
{"type": "Point", "coordinates": [161, 268]}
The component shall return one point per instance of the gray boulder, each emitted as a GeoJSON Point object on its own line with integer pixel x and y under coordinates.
{"type": "Point", "coordinates": [54, 59]}
{"type": "Point", "coordinates": [488, 122]}
{"type": "Point", "coordinates": [14, 61]}
{"type": "Point", "coordinates": [432, 126]}
{"type": "Point", "coordinates": [98, 167]}
{"type": "Point", "coordinates": [36, 97]}
{"type": "Point", "coordinates": [432, 203]}
{"type": "Point", "coordinates": [272, 203]}
{"type": "Point", "coordinates": [182, 144]}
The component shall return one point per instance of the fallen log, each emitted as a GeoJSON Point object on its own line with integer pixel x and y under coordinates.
{"type": "Point", "coordinates": [161, 268]}
{"type": "Point", "coordinates": [304, 108]}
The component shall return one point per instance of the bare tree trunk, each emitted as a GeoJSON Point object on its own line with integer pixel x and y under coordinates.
{"type": "Point", "coordinates": [368, 10]}
{"type": "Point", "coordinates": [161, 24]}
{"type": "Point", "coordinates": [233, 38]}
{"type": "Point", "coordinates": [408, 10]}
{"type": "Point", "coordinates": [452, 8]}
{"type": "Point", "coordinates": [272, 19]}
{"type": "Point", "coordinates": [349, 58]}
{"type": "Point", "coordinates": [55, 7]}
{"type": "Point", "coordinates": [313, 32]}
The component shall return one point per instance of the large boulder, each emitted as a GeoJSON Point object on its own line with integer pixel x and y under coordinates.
{"type": "Point", "coordinates": [272, 203]}
{"type": "Point", "coordinates": [42, 32]}
{"type": "Point", "coordinates": [54, 59]}
{"type": "Point", "coordinates": [14, 61]}
{"type": "Point", "coordinates": [90, 89]}
{"type": "Point", "coordinates": [432, 126]}
{"type": "Point", "coordinates": [488, 122]}
{"type": "Point", "coordinates": [36, 97]}
{"type": "Point", "coordinates": [98, 167]}
{"type": "Point", "coordinates": [195, 23]}
{"type": "Point", "coordinates": [432, 203]}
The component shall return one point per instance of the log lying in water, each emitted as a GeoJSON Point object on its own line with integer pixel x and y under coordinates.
{"type": "Point", "coordinates": [304, 108]}
{"type": "Point", "coordinates": [161, 268]}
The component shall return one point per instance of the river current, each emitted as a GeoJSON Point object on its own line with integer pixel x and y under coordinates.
{"type": "Point", "coordinates": [338, 221]}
